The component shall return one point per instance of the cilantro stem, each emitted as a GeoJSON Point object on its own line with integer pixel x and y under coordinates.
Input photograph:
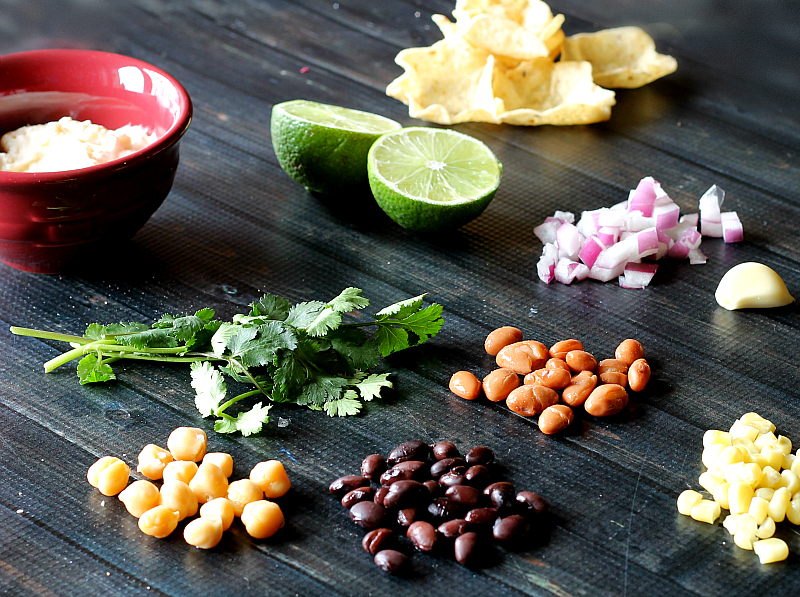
{"type": "Point", "coordinates": [246, 371]}
{"type": "Point", "coordinates": [49, 335]}
{"type": "Point", "coordinates": [123, 348]}
{"type": "Point", "coordinates": [145, 357]}
{"type": "Point", "coordinates": [220, 409]}
{"type": "Point", "coordinates": [73, 354]}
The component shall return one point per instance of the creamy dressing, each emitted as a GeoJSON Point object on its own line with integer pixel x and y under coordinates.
{"type": "Point", "coordinates": [68, 144]}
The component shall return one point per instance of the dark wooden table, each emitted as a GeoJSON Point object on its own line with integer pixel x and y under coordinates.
{"type": "Point", "coordinates": [235, 226]}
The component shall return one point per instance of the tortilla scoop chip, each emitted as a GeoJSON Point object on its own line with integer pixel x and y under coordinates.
{"type": "Point", "coordinates": [503, 37]}
{"type": "Point", "coordinates": [448, 82]}
{"type": "Point", "coordinates": [621, 57]}
{"type": "Point", "coordinates": [544, 92]}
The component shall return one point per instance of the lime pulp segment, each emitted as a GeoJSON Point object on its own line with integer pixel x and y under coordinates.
{"type": "Point", "coordinates": [338, 118]}
{"type": "Point", "coordinates": [436, 165]}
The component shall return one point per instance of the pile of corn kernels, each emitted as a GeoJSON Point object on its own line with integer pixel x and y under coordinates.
{"type": "Point", "coordinates": [753, 474]}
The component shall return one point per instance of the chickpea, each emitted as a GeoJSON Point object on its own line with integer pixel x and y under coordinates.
{"type": "Point", "coordinates": [555, 379]}
{"type": "Point", "coordinates": [139, 497]}
{"type": "Point", "coordinates": [579, 388]}
{"type": "Point", "coordinates": [219, 508]}
{"type": "Point", "coordinates": [152, 461]}
{"type": "Point", "coordinates": [158, 522]}
{"type": "Point", "coordinates": [554, 363]}
{"type": "Point", "coordinates": [109, 475]}
{"type": "Point", "coordinates": [530, 400]}
{"type": "Point", "coordinates": [638, 375]}
{"type": "Point", "coordinates": [465, 385]}
{"type": "Point", "coordinates": [188, 443]}
{"type": "Point", "coordinates": [580, 360]}
{"type": "Point", "coordinates": [178, 497]}
{"type": "Point", "coordinates": [222, 460]}
{"type": "Point", "coordinates": [271, 477]}
{"type": "Point", "coordinates": [559, 350]}
{"type": "Point", "coordinates": [180, 470]}
{"type": "Point", "coordinates": [242, 492]}
{"type": "Point", "coordinates": [209, 483]}
{"type": "Point", "coordinates": [555, 418]}
{"type": "Point", "coordinates": [613, 365]}
{"type": "Point", "coordinates": [262, 519]}
{"type": "Point", "coordinates": [606, 400]}
{"type": "Point", "coordinates": [203, 533]}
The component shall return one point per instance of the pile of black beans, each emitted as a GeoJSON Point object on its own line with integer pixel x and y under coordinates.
{"type": "Point", "coordinates": [443, 503]}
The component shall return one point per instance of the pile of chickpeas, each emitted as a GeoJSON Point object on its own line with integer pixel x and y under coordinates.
{"type": "Point", "coordinates": [599, 387]}
{"type": "Point", "coordinates": [188, 488]}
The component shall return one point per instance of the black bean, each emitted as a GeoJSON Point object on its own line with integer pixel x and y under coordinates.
{"type": "Point", "coordinates": [373, 466]}
{"type": "Point", "coordinates": [478, 476]}
{"type": "Point", "coordinates": [452, 478]}
{"type": "Point", "coordinates": [406, 494]}
{"type": "Point", "coordinates": [530, 504]}
{"type": "Point", "coordinates": [453, 528]}
{"type": "Point", "coordinates": [442, 450]}
{"type": "Point", "coordinates": [377, 540]}
{"type": "Point", "coordinates": [466, 496]}
{"type": "Point", "coordinates": [443, 509]}
{"type": "Point", "coordinates": [445, 465]}
{"type": "Point", "coordinates": [467, 549]}
{"type": "Point", "coordinates": [510, 529]}
{"type": "Point", "coordinates": [411, 450]}
{"type": "Point", "coordinates": [368, 515]}
{"type": "Point", "coordinates": [480, 455]}
{"type": "Point", "coordinates": [481, 518]}
{"type": "Point", "coordinates": [408, 516]}
{"type": "Point", "coordinates": [347, 483]}
{"type": "Point", "coordinates": [422, 535]}
{"type": "Point", "coordinates": [501, 495]}
{"type": "Point", "coordinates": [351, 498]}
{"type": "Point", "coordinates": [433, 487]}
{"type": "Point", "coordinates": [391, 561]}
{"type": "Point", "coordinates": [408, 469]}
{"type": "Point", "coordinates": [380, 493]}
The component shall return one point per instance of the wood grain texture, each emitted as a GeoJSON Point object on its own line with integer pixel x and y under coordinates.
{"type": "Point", "coordinates": [235, 226]}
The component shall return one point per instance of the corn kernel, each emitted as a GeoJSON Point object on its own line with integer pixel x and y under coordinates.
{"type": "Point", "coordinates": [721, 495]}
{"type": "Point", "coordinates": [771, 550]}
{"type": "Point", "coordinates": [778, 504]}
{"type": "Point", "coordinates": [759, 509]}
{"type": "Point", "coordinates": [744, 539]}
{"type": "Point", "coordinates": [757, 422]}
{"type": "Point", "coordinates": [739, 429]}
{"type": "Point", "coordinates": [788, 461]}
{"type": "Point", "coordinates": [709, 482]}
{"type": "Point", "coordinates": [729, 455]}
{"type": "Point", "coordinates": [746, 473]}
{"type": "Point", "coordinates": [764, 438]}
{"type": "Point", "coordinates": [770, 478]}
{"type": "Point", "coordinates": [711, 453]}
{"type": "Point", "coordinates": [766, 529]}
{"type": "Point", "coordinates": [714, 436]}
{"type": "Point", "coordinates": [785, 444]}
{"type": "Point", "coordinates": [795, 468]}
{"type": "Point", "coordinates": [758, 459]}
{"type": "Point", "coordinates": [744, 443]}
{"type": "Point", "coordinates": [739, 496]}
{"type": "Point", "coordinates": [774, 455]}
{"type": "Point", "coordinates": [765, 493]}
{"type": "Point", "coordinates": [793, 511]}
{"type": "Point", "coordinates": [688, 500]}
{"type": "Point", "coordinates": [738, 522]}
{"type": "Point", "coordinates": [790, 481]}
{"type": "Point", "coordinates": [706, 511]}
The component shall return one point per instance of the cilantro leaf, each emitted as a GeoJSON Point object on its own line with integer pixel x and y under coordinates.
{"type": "Point", "coordinates": [370, 387]}
{"type": "Point", "coordinates": [327, 320]}
{"type": "Point", "coordinates": [425, 323]}
{"type": "Point", "coordinates": [271, 307]}
{"type": "Point", "coordinates": [219, 341]}
{"type": "Point", "coordinates": [247, 423]}
{"type": "Point", "coordinates": [349, 299]}
{"type": "Point", "coordinates": [92, 370]}
{"type": "Point", "coordinates": [209, 387]}
{"type": "Point", "coordinates": [391, 339]}
{"type": "Point", "coordinates": [321, 389]}
{"type": "Point", "coordinates": [303, 314]}
{"type": "Point", "coordinates": [95, 331]}
{"type": "Point", "coordinates": [151, 338]}
{"type": "Point", "coordinates": [262, 350]}
{"type": "Point", "coordinates": [402, 308]}
{"type": "Point", "coordinates": [354, 346]}
{"type": "Point", "coordinates": [348, 405]}
{"type": "Point", "coordinates": [185, 328]}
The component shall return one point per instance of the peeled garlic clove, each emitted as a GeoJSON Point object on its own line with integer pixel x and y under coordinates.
{"type": "Point", "coordinates": [752, 286]}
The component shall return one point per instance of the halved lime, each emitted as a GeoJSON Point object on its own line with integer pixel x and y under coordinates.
{"type": "Point", "coordinates": [324, 147]}
{"type": "Point", "coordinates": [429, 179]}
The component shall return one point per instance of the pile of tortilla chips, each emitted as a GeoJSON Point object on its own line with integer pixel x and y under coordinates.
{"type": "Point", "coordinates": [497, 63]}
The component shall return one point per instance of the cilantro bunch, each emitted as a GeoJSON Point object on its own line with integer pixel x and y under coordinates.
{"type": "Point", "coordinates": [300, 353]}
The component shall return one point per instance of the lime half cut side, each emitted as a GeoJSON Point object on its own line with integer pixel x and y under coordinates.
{"type": "Point", "coordinates": [325, 147]}
{"type": "Point", "coordinates": [429, 179]}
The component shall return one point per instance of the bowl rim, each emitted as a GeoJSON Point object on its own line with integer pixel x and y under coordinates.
{"type": "Point", "coordinates": [172, 135]}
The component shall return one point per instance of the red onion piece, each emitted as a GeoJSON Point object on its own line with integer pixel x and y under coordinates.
{"type": "Point", "coordinates": [710, 203]}
{"type": "Point", "coordinates": [547, 263]}
{"type": "Point", "coordinates": [569, 241]}
{"type": "Point", "coordinates": [546, 231]}
{"type": "Point", "coordinates": [567, 271]}
{"type": "Point", "coordinates": [697, 257]}
{"type": "Point", "coordinates": [644, 197]}
{"type": "Point", "coordinates": [647, 242]}
{"type": "Point", "coordinates": [666, 216]}
{"type": "Point", "coordinates": [608, 235]}
{"type": "Point", "coordinates": [637, 275]}
{"type": "Point", "coordinates": [591, 249]}
{"type": "Point", "coordinates": [732, 231]}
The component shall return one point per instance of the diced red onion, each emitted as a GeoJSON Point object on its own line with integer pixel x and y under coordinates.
{"type": "Point", "coordinates": [547, 263]}
{"type": "Point", "coordinates": [590, 250]}
{"type": "Point", "coordinates": [647, 242]}
{"type": "Point", "coordinates": [644, 197]}
{"type": "Point", "coordinates": [637, 275]}
{"type": "Point", "coordinates": [666, 216]}
{"type": "Point", "coordinates": [565, 216]}
{"type": "Point", "coordinates": [710, 228]}
{"type": "Point", "coordinates": [603, 274]}
{"type": "Point", "coordinates": [611, 217]}
{"type": "Point", "coordinates": [618, 254]}
{"type": "Point", "coordinates": [661, 195]}
{"type": "Point", "coordinates": [635, 222]}
{"type": "Point", "coordinates": [710, 204]}
{"type": "Point", "coordinates": [697, 257]}
{"type": "Point", "coordinates": [569, 241]}
{"type": "Point", "coordinates": [608, 235]}
{"type": "Point", "coordinates": [546, 231]}
{"type": "Point", "coordinates": [732, 231]}
{"type": "Point", "coordinates": [691, 219]}
{"type": "Point", "coordinates": [567, 271]}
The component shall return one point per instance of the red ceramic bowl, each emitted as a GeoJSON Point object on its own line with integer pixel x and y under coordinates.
{"type": "Point", "coordinates": [49, 219]}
